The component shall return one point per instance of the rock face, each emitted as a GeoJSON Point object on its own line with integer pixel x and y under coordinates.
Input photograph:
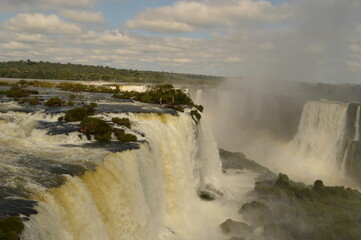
{"type": "Point", "coordinates": [237, 230]}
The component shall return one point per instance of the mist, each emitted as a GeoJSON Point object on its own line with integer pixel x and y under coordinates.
{"type": "Point", "coordinates": [285, 65]}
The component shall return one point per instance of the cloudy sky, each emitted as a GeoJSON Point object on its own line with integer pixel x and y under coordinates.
{"type": "Point", "coordinates": [307, 40]}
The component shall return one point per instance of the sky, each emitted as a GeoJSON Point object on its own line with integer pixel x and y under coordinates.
{"type": "Point", "coordinates": [300, 40]}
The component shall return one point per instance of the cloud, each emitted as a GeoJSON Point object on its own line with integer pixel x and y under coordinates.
{"type": "Point", "coordinates": [304, 40]}
{"type": "Point", "coordinates": [107, 38]}
{"type": "Point", "coordinates": [12, 45]}
{"type": "Point", "coordinates": [38, 5]}
{"type": "Point", "coordinates": [40, 23]}
{"type": "Point", "coordinates": [83, 16]}
{"type": "Point", "coordinates": [190, 16]}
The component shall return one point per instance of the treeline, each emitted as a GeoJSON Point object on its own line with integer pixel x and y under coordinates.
{"type": "Point", "coordinates": [46, 70]}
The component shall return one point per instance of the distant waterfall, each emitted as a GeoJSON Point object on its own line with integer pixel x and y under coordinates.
{"type": "Point", "coordinates": [330, 132]}
{"type": "Point", "coordinates": [357, 125]}
{"type": "Point", "coordinates": [134, 194]}
{"type": "Point", "coordinates": [322, 130]}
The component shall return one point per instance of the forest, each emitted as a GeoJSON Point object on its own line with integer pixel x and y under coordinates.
{"type": "Point", "coordinates": [28, 69]}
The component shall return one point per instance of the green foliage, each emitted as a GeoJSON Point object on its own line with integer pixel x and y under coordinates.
{"type": "Point", "coordinates": [10, 228]}
{"type": "Point", "coordinates": [199, 107]}
{"type": "Point", "coordinates": [23, 83]}
{"type": "Point", "coordinates": [238, 160]}
{"type": "Point", "coordinates": [31, 101]}
{"type": "Point", "coordinates": [72, 97]}
{"type": "Point", "coordinates": [163, 94]}
{"type": "Point", "coordinates": [126, 95]}
{"type": "Point", "coordinates": [78, 87]}
{"type": "Point", "coordinates": [93, 105]}
{"type": "Point", "coordinates": [121, 121]}
{"type": "Point", "coordinates": [78, 114]}
{"type": "Point", "coordinates": [4, 83]}
{"type": "Point", "coordinates": [54, 102]}
{"type": "Point", "coordinates": [101, 130]}
{"type": "Point", "coordinates": [318, 186]}
{"type": "Point", "coordinates": [283, 180]}
{"type": "Point", "coordinates": [124, 137]}
{"type": "Point", "coordinates": [42, 84]}
{"type": "Point", "coordinates": [196, 115]}
{"type": "Point", "coordinates": [257, 213]}
{"type": "Point", "coordinates": [16, 92]}
{"type": "Point", "coordinates": [304, 212]}
{"type": "Point", "coordinates": [46, 70]}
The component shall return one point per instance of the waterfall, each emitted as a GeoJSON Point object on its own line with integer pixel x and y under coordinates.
{"type": "Point", "coordinates": [146, 193]}
{"type": "Point", "coordinates": [321, 133]}
{"type": "Point", "coordinates": [357, 125]}
{"type": "Point", "coordinates": [328, 138]}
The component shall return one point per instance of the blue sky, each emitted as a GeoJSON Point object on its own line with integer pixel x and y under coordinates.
{"type": "Point", "coordinates": [307, 40]}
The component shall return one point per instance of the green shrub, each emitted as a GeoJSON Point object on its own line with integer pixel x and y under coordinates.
{"type": "Point", "coordinates": [31, 101]}
{"type": "Point", "coordinates": [123, 137]}
{"type": "Point", "coordinates": [54, 102]}
{"type": "Point", "coordinates": [121, 121]}
{"type": "Point", "coordinates": [93, 105]}
{"type": "Point", "coordinates": [196, 115]}
{"type": "Point", "coordinates": [10, 228]}
{"type": "Point", "coordinates": [78, 114]}
{"type": "Point", "coordinates": [72, 97]}
{"type": "Point", "coordinates": [16, 92]}
{"type": "Point", "coordinates": [101, 130]}
{"type": "Point", "coordinates": [318, 186]}
{"type": "Point", "coordinates": [126, 95]}
{"type": "Point", "coordinates": [23, 83]}
{"type": "Point", "coordinates": [283, 180]}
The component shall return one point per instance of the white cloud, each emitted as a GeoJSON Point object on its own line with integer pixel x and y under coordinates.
{"type": "Point", "coordinates": [38, 5]}
{"type": "Point", "coordinates": [83, 16]}
{"type": "Point", "coordinates": [189, 16]}
{"type": "Point", "coordinates": [40, 23]}
{"type": "Point", "coordinates": [12, 45]}
{"type": "Point", "coordinates": [305, 40]}
{"type": "Point", "coordinates": [107, 38]}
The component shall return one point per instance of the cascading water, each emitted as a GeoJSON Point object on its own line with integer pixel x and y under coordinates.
{"type": "Point", "coordinates": [145, 193]}
{"type": "Point", "coordinates": [328, 139]}
{"type": "Point", "coordinates": [321, 133]}
{"type": "Point", "coordinates": [357, 124]}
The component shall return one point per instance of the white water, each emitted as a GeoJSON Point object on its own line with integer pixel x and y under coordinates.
{"type": "Point", "coordinates": [149, 193]}
{"type": "Point", "coordinates": [357, 124]}
{"type": "Point", "coordinates": [321, 131]}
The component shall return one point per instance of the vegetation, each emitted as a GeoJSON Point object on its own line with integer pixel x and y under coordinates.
{"type": "Point", "coordinates": [54, 102]}
{"type": "Point", "coordinates": [31, 101]}
{"type": "Point", "coordinates": [10, 228]}
{"type": "Point", "coordinates": [16, 92]}
{"type": "Point", "coordinates": [196, 115]}
{"type": "Point", "coordinates": [121, 121]}
{"type": "Point", "coordinates": [166, 95]}
{"type": "Point", "coordinates": [124, 137]}
{"type": "Point", "coordinates": [78, 114]}
{"type": "Point", "coordinates": [99, 128]}
{"type": "Point", "coordinates": [290, 210]}
{"type": "Point", "coordinates": [239, 161]}
{"type": "Point", "coordinates": [78, 87]}
{"type": "Point", "coordinates": [45, 70]}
